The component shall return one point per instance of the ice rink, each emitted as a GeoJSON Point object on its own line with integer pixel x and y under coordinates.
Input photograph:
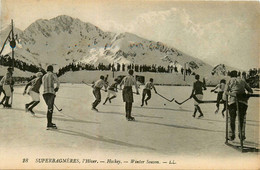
{"type": "Point", "coordinates": [161, 132]}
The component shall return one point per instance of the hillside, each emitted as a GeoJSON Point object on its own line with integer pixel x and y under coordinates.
{"type": "Point", "coordinates": [63, 40]}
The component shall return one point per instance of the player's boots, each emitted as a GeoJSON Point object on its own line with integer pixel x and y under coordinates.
{"type": "Point", "coordinates": [35, 103]}
{"type": "Point", "coordinates": [130, 118]}
{"type": "Point", "coordinates": [31, 111]}
{"type": "Point", "coordinates": [7, 105]}
{"type": "Point", "coordinates": [51, 126]}
{"type": "Point", "coordinates": [106, 100]}
{"type": "Point", "coordinates": [111, 98]}
{"type": "Point", "coordinates": [142, 103]}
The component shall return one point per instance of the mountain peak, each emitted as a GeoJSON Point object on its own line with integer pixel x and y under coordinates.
{"type": "Point", "coordinates": [79, 41]}
{"type": "Point", "coordinates": [63, 17]}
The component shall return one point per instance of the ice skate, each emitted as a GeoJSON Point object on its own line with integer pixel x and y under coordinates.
{"type": "Point", "coordinates": [26, 107]}
{"type": "Point", "coordinates": [95, 109]}
{"type": "Point", "coordinates": [200, 116]}
{"type": "Point", "coordinates": [243, 137]}
{"type": "Point", "coordinates": [223, 114]}
{"type": "Point", "coordinates": [31, 111]}
{"type": "Point", "coordinates": [51, 126]}
{"type": "Point", "coordinates": [131, 118]}
{"type": "Point", "coordinates": [8, 106]}
{"type": "Point", "coordinates": [106, 101]}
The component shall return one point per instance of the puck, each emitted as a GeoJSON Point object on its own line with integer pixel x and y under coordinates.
{"type": "Point", "coordinates": [164, 104]}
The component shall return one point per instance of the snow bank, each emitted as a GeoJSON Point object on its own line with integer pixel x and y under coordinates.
{"type": "Point", "coordinates": [17, 72]}
{"type": "Point", "coordinates": [159, 78]}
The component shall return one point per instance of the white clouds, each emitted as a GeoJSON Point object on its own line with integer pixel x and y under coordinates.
{"type": "Point", "coordinates": [203, 30]}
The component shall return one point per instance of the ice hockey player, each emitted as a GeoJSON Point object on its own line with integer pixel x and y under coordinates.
{"type": "Point", "coordinates": [220, 90]}
{"type": "Point", "coordinates": [237, 86]}
{"type": "Point", "coordinates": [147, 90]}
{"type": "Point", "coordinates": [112, 89]}
{"type": "Point", "coordinates": [48, 81]}
{"type": "Point", "coordinates": [8, 86]}
{"type": "Point", "coordinates": [197, 91]}
{"type": "Point", "coordinates": [2, 90]}
{"type": "Point", "coordinates": [34, 92]}
{"type": "Point", "coordinates": [128, 98]}
{"type": "Point", "coordinates": [97, 86]}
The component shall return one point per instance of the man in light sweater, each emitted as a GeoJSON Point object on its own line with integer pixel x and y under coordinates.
{"type": "Point", "coordinates": [238, 87]}
{"type": "Point", "coordinates": [48, 81]}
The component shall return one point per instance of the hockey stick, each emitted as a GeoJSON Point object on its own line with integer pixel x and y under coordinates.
{"type": "Point", "coordinates": [57, 108]}
{"type": "Point", "coordinates": [102, 89]}
{"type": "Point", "coordinates": [205, 101]}
{"type": "Point", "coordinates": [165, 97]}
{"type": "Point", "coordinates": [226, 120]}
{"type": "Point", "coordinates": [243, 95]}
{"type": "Point", "coordinates": [63, 113]}
{"type": "Point", "coordinates": [91, 85]}
{"type": "Point", "coordinates": [180, 103]}
{"type": "Point", "coordinates": [132, 92]}
{"type": "Point", "coordinates": [239, 126]}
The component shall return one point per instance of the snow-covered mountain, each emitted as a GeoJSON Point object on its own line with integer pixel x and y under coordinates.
{"type": "Point", "coordinates": [222, 69]}
{"type": "Point", "coordinates": [63, 40]}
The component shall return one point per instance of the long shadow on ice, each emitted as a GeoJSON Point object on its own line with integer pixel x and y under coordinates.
{"type": "Point", "coordinates": [224, 121]}
{"type": "Point", "coordinates": [101, 139]}
{"type": "Point", "coordinates": [155, 108]}
{"type": "Point", "coordinates": [69, 120]}
{"type": "Point", "coordinates": [177, 126]}
{"type": "Point", "coordinates": [123, 114]}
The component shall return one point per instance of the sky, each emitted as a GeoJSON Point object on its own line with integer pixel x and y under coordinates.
{"type": "Point", "coordinates": [215, 32]}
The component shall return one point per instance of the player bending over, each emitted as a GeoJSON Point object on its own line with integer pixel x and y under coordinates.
{"type": "Point", "coordinates": [147, 90]}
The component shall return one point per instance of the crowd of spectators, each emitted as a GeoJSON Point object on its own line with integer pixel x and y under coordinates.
{"type": "Point", "coordinates": [7, 61]}
{"type": "Point", "coordinates": [122, 67]}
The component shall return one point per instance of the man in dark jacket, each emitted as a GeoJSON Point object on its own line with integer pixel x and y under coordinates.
{"type": "Point", "coordinates": [197, 91]}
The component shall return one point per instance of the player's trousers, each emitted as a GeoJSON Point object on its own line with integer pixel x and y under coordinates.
{"type": "Point", "coordinates": [49, 100]}
{"type": "Point", "coordinates": [148, 93]}
{"type": "Point", "coordinates": [97, 94]}
{"type": "Point", "coordinates": [219, 97]}
{"type": "Point", "coordinates": [232, 116]}
{"type": "Point", "coordinates": [128, 99]}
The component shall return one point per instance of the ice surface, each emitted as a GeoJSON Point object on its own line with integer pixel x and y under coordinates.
{"type": "Point", "coordinates": [160, 132]}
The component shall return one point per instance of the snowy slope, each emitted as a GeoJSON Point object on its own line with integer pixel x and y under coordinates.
{"type": "Point", "coordinates": [17, 72]}
{"type": "Point", "coordinates": [64, 39]}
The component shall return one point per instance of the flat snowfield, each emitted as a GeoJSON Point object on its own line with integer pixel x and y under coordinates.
{"type": "Point", "coordinates": [164, 135]}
